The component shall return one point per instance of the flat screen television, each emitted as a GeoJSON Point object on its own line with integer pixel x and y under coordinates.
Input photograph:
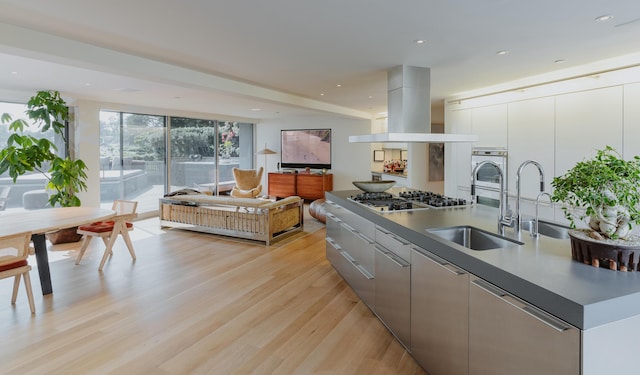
{"type": "Point", "coordinates": [301, 148]}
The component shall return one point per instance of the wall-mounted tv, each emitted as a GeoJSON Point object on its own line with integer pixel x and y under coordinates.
{"type": "Point", "coordinates": [301, 148]}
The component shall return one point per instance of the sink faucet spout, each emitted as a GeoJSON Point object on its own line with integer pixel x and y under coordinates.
{"type": "Point", "coordinates": [518, 215]}
{"type": "Point", "coordinates": [503, 219]}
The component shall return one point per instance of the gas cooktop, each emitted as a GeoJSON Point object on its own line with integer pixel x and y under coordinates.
{"type": "Point", "coordinates": [406, 200]}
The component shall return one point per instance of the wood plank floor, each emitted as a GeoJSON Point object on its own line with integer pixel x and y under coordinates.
{"type": "Point", "coordinates": [197, 304]}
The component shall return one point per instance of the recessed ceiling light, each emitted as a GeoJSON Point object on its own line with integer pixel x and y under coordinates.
{"type": "Point", "coordinates": [338, 85]}
{"type": "Point", "coordinates": [420, 41]}
{"type": "Point", "coordinates": [14, 73]}
{"type": "Point", "coordinates": [370, 96]}
{"type": "Point", "coordinates": [321, 94]}
{"type": "Point", "coordinates": [87, 84]}
{"type": "Point", "coordinates": [606, 17]}
{"type": "Point", "coordinates": [255, 109]}
{"type": "Point", "coordinates": [502, 53]}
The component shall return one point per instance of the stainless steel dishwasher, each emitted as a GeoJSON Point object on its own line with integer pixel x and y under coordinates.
{"type": "Point", "coordinates": [509, 336]}
{"type": "Point", "coordinates": [393, 284]}
{"type": "Point", "coordinates": [439, 314]}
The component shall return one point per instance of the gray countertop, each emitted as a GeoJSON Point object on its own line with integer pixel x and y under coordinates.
{"type": "Point", "coordinates": [540, 271]}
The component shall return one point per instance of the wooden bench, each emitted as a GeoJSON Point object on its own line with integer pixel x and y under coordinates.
{"type": "Point", "coordinates": [254, 219]}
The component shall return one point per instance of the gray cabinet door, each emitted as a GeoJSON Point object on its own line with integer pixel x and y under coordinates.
{"type": "Point", "coordinates": [439, 314]}
{"type": "Point", "coordinates": [393, 293]}
{"type": "Point", "coordinates": [508, 336]}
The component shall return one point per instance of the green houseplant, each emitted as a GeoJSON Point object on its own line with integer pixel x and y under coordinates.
{"type": "Point", "coordinates": [605, 190]}
{"type": "Point", "coordinates": [25, 153]}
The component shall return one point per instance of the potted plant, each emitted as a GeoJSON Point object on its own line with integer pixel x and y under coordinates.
{"type": "Point", "coordinates": [606, 191]}
{"type": "Point", "coordinates": [28, 153]}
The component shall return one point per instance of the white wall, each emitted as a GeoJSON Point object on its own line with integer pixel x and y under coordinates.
{"type": "Point", "coordinates": [350, 161]}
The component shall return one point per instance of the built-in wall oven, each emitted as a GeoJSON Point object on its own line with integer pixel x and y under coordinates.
{"type": "Point", "coordinates": [488, 179]}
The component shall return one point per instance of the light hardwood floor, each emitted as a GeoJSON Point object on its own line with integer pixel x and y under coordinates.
{"type": "Point", "coordinates": [197, 304]}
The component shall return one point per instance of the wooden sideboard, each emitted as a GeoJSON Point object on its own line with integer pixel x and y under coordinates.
{"type": "Point", "coordinates": [305, 185]}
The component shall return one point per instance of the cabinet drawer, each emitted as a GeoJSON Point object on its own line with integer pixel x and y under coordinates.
{"type": "Point", "coordinates": [334, 257]}
{"type": "Point", "coordinates": [362, 225]}
{"type": "Point", "coordinates": [360, 280]}
{"type": "Point", "coordinates": [391, 242]}
{"type": "Point", "coordinates": [358, 246]}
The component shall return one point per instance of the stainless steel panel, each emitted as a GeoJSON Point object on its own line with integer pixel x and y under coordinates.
{"type": "Point", "coordinates": [509, 336]}
{"type": "Point", "coordinates": [362, 225]}
{"type": "Point", "coordinates": [439, 314]}
{"type": "Point", "coordinates": [358, 246]}
{"type": "Point", "coordinates": [393, 294]}
{"type": "Point", "coordinates": [394, 243]}
{"type": "Point", "coordinates": [334, 257]}
{"type": "Point", "coordinates": [360, 281]}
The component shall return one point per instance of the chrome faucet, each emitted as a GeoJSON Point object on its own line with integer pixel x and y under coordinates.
{"type": "Point", "coordinates": [503, 219]}
{"type": "Point", "coordinates": [518, 218]}
{"type": "Point", "coordinates": [534, 231]}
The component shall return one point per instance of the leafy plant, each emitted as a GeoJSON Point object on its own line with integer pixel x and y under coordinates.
{"type": "Point", "coordinates": [606, 188]}
{"type": "Point", "coordinates": [27, 153]}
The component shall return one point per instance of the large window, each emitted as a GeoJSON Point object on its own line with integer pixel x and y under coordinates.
{"type": "Point", "coordinates": [134, 156]}
{"type": "Point", "coordinates": [194, 160]}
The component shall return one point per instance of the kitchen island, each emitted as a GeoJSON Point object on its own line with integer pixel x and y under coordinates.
{"type": "Point", "coordinates": [602, 305]}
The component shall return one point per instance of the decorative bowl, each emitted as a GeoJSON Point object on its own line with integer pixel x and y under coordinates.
{"type": "Point", "coordinates": [374, 186]}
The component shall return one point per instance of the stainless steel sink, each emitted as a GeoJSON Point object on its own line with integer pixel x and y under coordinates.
{"type": "Point", "coordinates": [548, 229]}
{"type": "Point", "coordinates": [473, 238]}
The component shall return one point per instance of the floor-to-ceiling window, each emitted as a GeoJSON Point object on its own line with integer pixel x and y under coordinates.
{"type": "Point", "coordinates": [135, 163]}
{"type": "Point", "coordinates": [194, 160]}
{"type": "Point", "coordinates": [132, 158]}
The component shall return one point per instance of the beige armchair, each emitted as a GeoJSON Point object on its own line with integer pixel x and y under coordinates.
{"type": "Point", "coordinates": [247, 183]}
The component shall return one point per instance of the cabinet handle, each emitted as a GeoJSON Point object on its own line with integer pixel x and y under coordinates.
{"type": "Point", "coordinates": [441, 262]}
{"type": "Point", "coordinates": [355, 232]}
{"type": "Point", "coordinates": [400, 240]}
{"type": "Point", "coordinates": [333, 217]}
{"type": "Point", "coordinates": [487, 287]}
{"type": "Point", "coordinates": [347, 256]}
{"type": "Point", "coordinates": [542, 316]}
{"type": "Point", "coordinates": [364, 272]}
{"type": "Point", "coordinates": [392, 257]}
{"type": "Point", "coordinates": [333, 243]}
{"type": "Point", "coordinates": [534, 312]}
{"type": "Point", "coordinates": [358, 266]}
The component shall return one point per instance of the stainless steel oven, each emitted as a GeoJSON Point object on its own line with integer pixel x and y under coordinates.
{"type": "Point", "coordinates": [488, 178]}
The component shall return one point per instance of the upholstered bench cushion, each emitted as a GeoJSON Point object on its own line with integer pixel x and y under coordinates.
{"type": "Point", "coordinates": [101, 226]}
{"type": "Point", "coordinates": [10, 266]}
{"type": "Point", "coordinates": [230, 201]}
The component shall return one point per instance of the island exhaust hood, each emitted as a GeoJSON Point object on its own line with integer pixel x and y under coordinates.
{"type": "Point", "coordinates": [409, 106]}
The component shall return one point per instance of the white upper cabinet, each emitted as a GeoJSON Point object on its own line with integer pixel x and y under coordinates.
{"type": "Point", "coordinates": [490, 124]}
{"type": "Point", "coordinates": [587, 121]}
{"type": "Point", "coordinates": [631, 121]}
{"type": "Point", "coordinates": [531, 137]}
{"type": "Point", "coordinates": [458, 171]}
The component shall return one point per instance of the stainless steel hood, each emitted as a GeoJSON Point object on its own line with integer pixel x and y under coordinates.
{"type": "Point", "coordinates": [409, 107]}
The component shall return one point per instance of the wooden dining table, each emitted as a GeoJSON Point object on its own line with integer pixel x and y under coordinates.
{"type": "Point", "coordinates": [40, 222]}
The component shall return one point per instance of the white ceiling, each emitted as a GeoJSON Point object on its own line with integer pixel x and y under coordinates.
{"type": "Point", "coordinates": [229, 57]}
